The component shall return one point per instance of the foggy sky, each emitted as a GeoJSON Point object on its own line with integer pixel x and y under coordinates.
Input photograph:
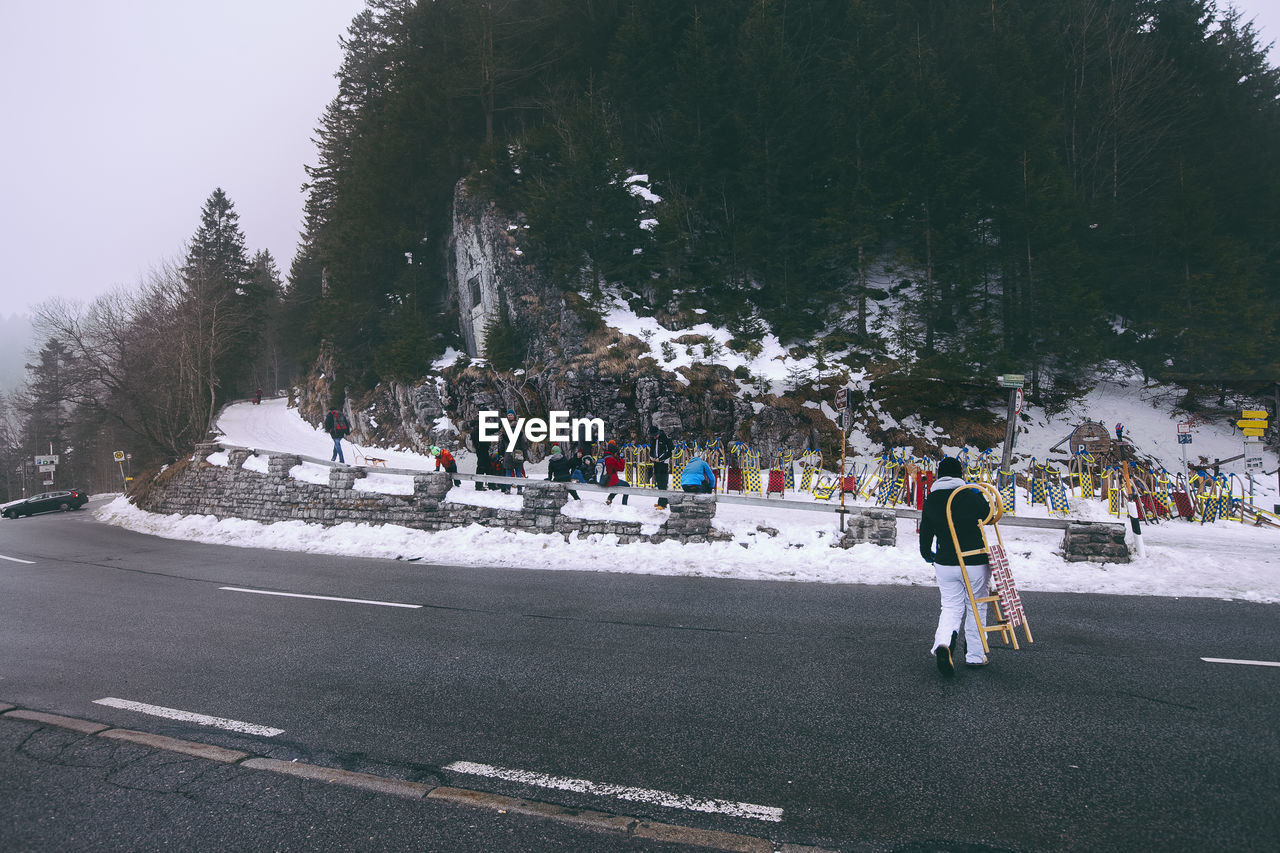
{"type": "Point", "coordinates": [121, 117]}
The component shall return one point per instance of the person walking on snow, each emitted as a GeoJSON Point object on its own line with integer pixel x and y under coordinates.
{"type": "Point", "coordinates": [335, 423]}
{"type": "Point", "coordinates": [968, 511]}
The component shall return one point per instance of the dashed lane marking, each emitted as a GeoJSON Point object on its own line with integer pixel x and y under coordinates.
{"type": "Point", "coordinates": [601, 821]}
{"type": "Point", "coordinates": [189, 717]}
{"type": "Point", "coordinates": [621, 792]}
{"type": "Point", "coordinates": [1242, 662]}
{"type": "Point", "coordinates": [16, 560]}
{"type": "Point", "coordinates": [321, 597]}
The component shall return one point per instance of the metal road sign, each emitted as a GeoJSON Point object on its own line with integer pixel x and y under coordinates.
{"type": "Point", "coordinates": [119, 455]}
{"type": "Point", "coordinates": [842, 399]}
{"type": "Point", "coordinates": [1252, 454]}
{"type": "Point", "coordinates": [1184, 438]}
{"type": "Point", "coordinates": [1012, 380]}
{"type": "Point", "coordinates": [1252, 423]}
{"type": "Point", "coordinates": [46, 460]}
{"type": "Point", "coordinates": [1256, 413]}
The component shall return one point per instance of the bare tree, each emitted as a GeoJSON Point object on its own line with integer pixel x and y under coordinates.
{"type": "Point", "coordinates": [141, 359]}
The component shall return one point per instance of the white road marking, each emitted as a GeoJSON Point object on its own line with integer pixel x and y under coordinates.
{"type": "Point", "coordinates": [321, 597]}
{"type": "Point", "coordinates": [642, 795]}
{"type": "Point", "coordinates": [16, 560]}
{"type": "Point", "coordinates": [1245, 662]}
{"type": "Point", "coordinates": [190, 717]}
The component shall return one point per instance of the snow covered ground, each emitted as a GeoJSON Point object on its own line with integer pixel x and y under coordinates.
{"type": "Point", "coordinates": [1221, 560]}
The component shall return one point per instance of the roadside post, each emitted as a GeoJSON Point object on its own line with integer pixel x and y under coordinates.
{"type": "Point", "coordinates": [1134, 524]}
{"type": "Point", "coordinates": [119, 457]}
{"type": "Point", "coordinates": [1253, 424]}
{"type": "Point", "coordinates": [1014, 382]}
{"type": "Point", "coordinates": [1184, 438]}
{"type": "Point", "coordinates": [842, 407]}
{"type": "Point", "coordinates": [47, 465]}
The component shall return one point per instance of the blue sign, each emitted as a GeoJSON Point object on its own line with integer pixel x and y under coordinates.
{"type": "Point", "coordinates": [1185, 438]}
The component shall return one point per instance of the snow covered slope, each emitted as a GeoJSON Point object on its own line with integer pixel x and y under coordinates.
{"type": "Point", "coordinates": [1224, 560]}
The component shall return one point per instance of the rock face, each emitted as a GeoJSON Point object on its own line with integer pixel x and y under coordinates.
{"type": "Point", "coordinates": [571, 366]}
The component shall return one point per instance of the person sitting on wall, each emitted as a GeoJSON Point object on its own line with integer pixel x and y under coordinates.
{"type": "Point", "coordinates": [698, 477]}
{"type": "Point", "coordinates": [559, 469]}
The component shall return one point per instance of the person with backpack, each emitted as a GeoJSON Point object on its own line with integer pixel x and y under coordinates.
{"type": "Point", "coordinates": [559, 469]}
{"type": "Point", "coordinates": [660, 450]}
{"type": "Point", "coordinates": [335, 423]}
{"type": "Point", "coordinates": [612, 474]}
{"type": "Point", "coordinates": [968, 511]}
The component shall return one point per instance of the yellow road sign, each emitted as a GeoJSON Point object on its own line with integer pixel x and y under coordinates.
{"type": "Point", "coordinates": [1255, 413]}
{"type": "Point", "coordinates": [1252, 424]}
{"type": "Point", "coordinates": [1256, 433]}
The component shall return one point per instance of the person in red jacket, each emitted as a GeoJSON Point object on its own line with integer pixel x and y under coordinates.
{"type": "Point", "coordinates": [445, 460]}
{"type": "Point", "coordinates": [613, 467]}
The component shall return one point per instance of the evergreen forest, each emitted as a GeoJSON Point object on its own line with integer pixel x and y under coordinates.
{"type": "Point", "coordinates": [1037, 187]}
{"type": "Point", "coordinates": [952, 188]}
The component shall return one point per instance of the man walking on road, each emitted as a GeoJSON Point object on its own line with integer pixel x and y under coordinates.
{"type": "Point", "coordinates": [968, 511]}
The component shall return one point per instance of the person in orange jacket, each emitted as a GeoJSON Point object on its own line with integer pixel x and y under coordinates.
{"type": "Point", "coordinates": [444, 459]}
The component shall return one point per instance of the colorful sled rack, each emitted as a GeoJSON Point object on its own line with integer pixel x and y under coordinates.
{"type": "Point", "coordinates": [1005, 601]}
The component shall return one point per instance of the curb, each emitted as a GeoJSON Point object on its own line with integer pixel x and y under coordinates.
{"type": "Point", "coordinates": [584, 818]}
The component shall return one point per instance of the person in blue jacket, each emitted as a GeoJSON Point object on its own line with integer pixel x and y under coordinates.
{"type": "Point", "coordinates": [698, 476]}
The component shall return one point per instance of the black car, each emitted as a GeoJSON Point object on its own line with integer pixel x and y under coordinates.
{"type": "Point", "coordinates": [46, 502]}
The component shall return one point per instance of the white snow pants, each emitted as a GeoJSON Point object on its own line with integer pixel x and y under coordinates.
{"type": "Point", "coordinates": [955, 607]}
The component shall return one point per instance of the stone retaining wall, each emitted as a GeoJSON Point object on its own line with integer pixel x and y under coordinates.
{"type": "Point", "coordinates": [864, 524]}
{"type": "Point", "coordinates": [197, 487]}
{"type": "Point", "coordinates": [1095, 542]}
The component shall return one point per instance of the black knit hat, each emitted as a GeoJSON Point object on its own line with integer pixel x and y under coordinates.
{"type": "Point", "coordinates": [950, 467]}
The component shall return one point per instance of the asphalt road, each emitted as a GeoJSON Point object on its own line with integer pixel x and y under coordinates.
{"type": "Point", "coordinates": [715, 704]}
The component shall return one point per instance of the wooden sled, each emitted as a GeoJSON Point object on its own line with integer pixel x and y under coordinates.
{"type": "Point", "coordinates": [1004, 600]}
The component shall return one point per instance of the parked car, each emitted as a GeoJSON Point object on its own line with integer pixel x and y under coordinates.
{"type": "Point", "coordinates": [47, 502]}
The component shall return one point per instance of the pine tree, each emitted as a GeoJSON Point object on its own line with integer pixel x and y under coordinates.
{"type": "Point", "coordinates": [221, 332]}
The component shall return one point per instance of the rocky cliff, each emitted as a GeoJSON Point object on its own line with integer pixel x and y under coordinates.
{"type": "Point", "coordinates": [572, 363]}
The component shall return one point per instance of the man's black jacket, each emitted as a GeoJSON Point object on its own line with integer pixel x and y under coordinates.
{"type": "Point", "coordinates": [967, 513]}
